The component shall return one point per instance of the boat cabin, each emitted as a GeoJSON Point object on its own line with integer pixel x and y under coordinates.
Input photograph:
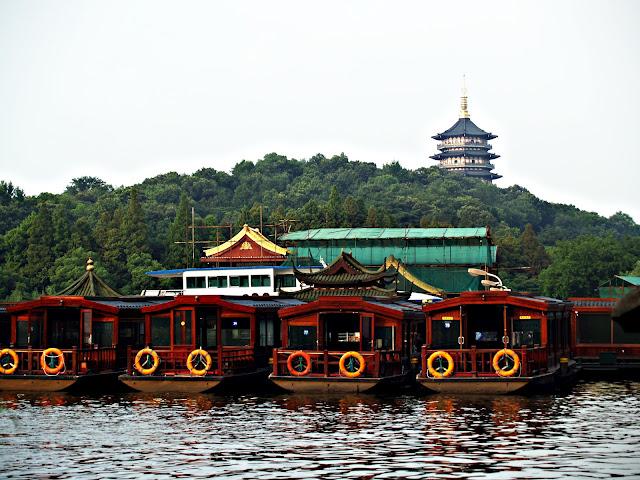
{"type": "Point", "coordinates": [601, 342]}
{"type": "Point", "coordinates": [354, 333]}
{"type": "Point", "coordinates": [229, 336]}
{"type": "Point", "coordinates": [499, 336]}
{"type": "Point", "coordinates": [375, 333]}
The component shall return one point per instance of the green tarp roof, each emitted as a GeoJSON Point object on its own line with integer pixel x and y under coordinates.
{"type": "Point", "coordinates": [384, 233]}
{"type": "Point", "coordinates": [632, 280]}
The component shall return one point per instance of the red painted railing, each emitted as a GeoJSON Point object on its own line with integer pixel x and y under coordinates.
{"type": "Point", "coordinates": [476, 362]}
{"type": "Point", "coordinates": [326, 363]}
{"type": "Point", "coordinates": [77, 361]}
{"type": "Point", "coordinates": [224, 360]}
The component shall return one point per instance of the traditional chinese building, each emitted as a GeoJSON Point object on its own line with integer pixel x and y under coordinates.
{"type": "Point", "coordinates": [248, 247]}
{"type": "Point", "coordinates": [464, 147]}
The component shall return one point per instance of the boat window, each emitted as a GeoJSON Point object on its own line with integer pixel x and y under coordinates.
{"type": "Point", "coordinates": [593, 328]}
{"type": "Point", "coordinates": [384, 338]}
{"type": "Point", "coordinates": [102, 333]}
{"type": "Point", "coordinates": [260, 281]}
{"type": "Point", "coordinates": [303, 338]}
{"type": "Point", "coordinates": [625, 335]}
{"type": "Point", "coordinates": [5, 330]}
{"type": "Point", "coordinates": [182, 327]}
{"type": "Point", "coordinates": [131, 332]}
{"type": "Point", "coordinates": [218, 282]}
{"type": "Point", "coordinates": [160, 333]}
{"type": "Point", "coordinates": [285, 281]}
{"type": "Point", "coordinates": [63, 328]}
{"type": "Point", "coordinates": [22, 333]}
{"type": "Point", "coordinates": [87, 338]}
{"type": "Point", "coordinates": [236, 332]}
{"type": "Point", "coordinates": [239, 281]}
{"type": "Point", "coordinates": [526, 333]}
{"type": "Point", "coordinates": [445, 333]}
{"type": "Point", "coordinates": [365, 328]}
{"type": "Point", "coordinates": [207, 328]}
{"type": "Point", "coordinates": [267, 331]}
{"type": "Point", "coordinates": [196, 282]}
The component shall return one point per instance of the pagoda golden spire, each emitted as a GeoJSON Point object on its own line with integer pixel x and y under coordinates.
{"type": "Point", "coordinates": [464, 112]}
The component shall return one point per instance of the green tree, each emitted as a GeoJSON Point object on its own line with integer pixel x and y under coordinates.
{"type": "Point", "coordinates": [39, 254]}
{"type": "Point", "coordinates": [334, 211]}
{"type": "Point", "coordinates": [134, 227]}
{"type": "Point", "coordinates": [178, 253]}
{"type": "Point", "coordinates": [579, 266]}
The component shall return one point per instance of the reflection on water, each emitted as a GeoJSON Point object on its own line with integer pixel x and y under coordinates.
{"type": "Point", "coordinates": [590, 432]}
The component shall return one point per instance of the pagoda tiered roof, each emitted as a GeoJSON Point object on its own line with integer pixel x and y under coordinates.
{"type": "Point", "coordinates": [464, 127]}
{"type": "Point", "coordinates": [89, 285]}
{"type": "Point", "coordinates": [345, 276]}
{"type": "Point", "coordinates": [249, 245]}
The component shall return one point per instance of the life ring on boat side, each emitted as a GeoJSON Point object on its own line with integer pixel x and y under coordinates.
{"type": "Point", "coordinates": [440, 371]}
{"type": "Point", "coordinates": [508, 372]}
{"type": "Point", "coordinates": [52, 361]}
{"type": "Point", "coordinates": [199, 357]}
{"type": "Point", "coordinates": [150, 362]}
{"type": "Point", "coordinates": [7, 367]}
{"type": "Point", "coordinates": [347, 367]}
{"type": "Point", "coordinates": [299, 363]}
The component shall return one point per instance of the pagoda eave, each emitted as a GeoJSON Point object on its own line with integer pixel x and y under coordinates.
{"type": "Point", "coordinates": [227, 259]}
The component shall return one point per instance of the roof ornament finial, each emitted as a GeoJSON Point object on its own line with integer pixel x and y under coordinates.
{"type": "Point", "coordinates": [464, 112]}
{"type": "Point", "coordinates": [90, 264]}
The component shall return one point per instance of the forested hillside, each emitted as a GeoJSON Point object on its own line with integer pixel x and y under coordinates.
{"type": "Point", "coordinates": [45, 240]}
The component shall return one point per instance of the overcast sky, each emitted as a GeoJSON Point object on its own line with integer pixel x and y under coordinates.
{"type": "Point", "coordinates": [128, 90]}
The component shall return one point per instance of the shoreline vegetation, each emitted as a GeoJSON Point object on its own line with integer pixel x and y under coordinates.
{"type": "Point", "coordinates": [544, 248]}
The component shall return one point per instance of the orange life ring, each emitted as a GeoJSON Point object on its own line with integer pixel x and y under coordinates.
{"type": "Point", "coordinates": [346, 370]}
{"type": "Point", "coordinates": [203, 354]}
{"type": "Point", "coordinates": [510, 354]}
{"type": "Point", "coordinates": [438, 372]}
{"type": "Point", "coordinates": [144, 369]}
{"type": "Point", "coordinates": [10, 367]}
{"type": "Point", "coordinates": [300, 369]}
{"type": "Point", "coordinates": [50, 354]}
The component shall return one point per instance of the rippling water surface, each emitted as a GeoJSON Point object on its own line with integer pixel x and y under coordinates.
{"type": "Point", "coordinates": [594, 431]}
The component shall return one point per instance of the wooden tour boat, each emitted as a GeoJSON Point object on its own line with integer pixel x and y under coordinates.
{"type": "Point", "coordinates": [66, 341]}
{"type": "Point", "coordinates": [201, 343]}
{"type": "Point", "coordinates": [496, 342]}
{"type": "Point", "coordinates": [354, 335]}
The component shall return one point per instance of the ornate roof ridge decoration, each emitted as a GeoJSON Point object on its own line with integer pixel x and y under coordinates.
{"type": "Point", "coordinates": [241, 238]}
{"type": "Point", "coordinates": [89, 285]}
{"type": "Point", "coordinates": [346, 271]}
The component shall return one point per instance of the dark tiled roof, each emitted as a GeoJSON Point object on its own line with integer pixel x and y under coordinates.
{"type": "Point", "coordinates": [89, 285]}
{"type": "Point", "coordinates": [465, 153]}
{"type": "Point", "coordinates": [346, 271]}
{"type": "Point", "coordinates": [312, 294]}
{"type": "Point", "coordinates": [593, 302]}
{"type": "Point", "coordinates": [264, 302]}
{"type": "Point", "coordinates": [464, 126]}
{"type": "Point", "coordinates": [130, 303]}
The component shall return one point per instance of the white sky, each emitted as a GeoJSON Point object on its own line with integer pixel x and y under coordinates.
{"type": "Point", "coordinates": [127, 90]}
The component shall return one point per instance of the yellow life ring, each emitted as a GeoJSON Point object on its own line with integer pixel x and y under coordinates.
{"type": "Point", "coordinates": [46, 361]}
{"type": "Point", "coordinates": [510, 354]}
{"type": "Point", "coordinates": [347, 369]}
{"type": "Point", "coordinates": [302, 367]}
{"type": "Point", "coordinates": [201, 355]}
{"type": "Point", "coordinates": [143, 366]}
{"type": "Point", "coordinates": [440, 371]}
{"type": "Point", "coordinates": [7, 368]}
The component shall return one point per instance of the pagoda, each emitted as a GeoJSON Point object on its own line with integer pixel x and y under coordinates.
{"type": "Point", "coordinates": [345, 276]}
{"type": "Point", "coordinates": [248, 247]}
{"type": "Point", "coordinates": [464, 147]}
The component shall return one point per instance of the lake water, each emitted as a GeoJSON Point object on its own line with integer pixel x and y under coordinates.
{"type": "Point", "coordinates": [591, 432]}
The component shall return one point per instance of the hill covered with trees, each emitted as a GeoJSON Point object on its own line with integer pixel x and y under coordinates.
{"type": "Point", "coordinates": [45, 239]}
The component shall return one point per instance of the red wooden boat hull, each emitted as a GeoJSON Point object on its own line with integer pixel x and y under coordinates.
{"type": "Point", "coordinates": [336, 384]}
